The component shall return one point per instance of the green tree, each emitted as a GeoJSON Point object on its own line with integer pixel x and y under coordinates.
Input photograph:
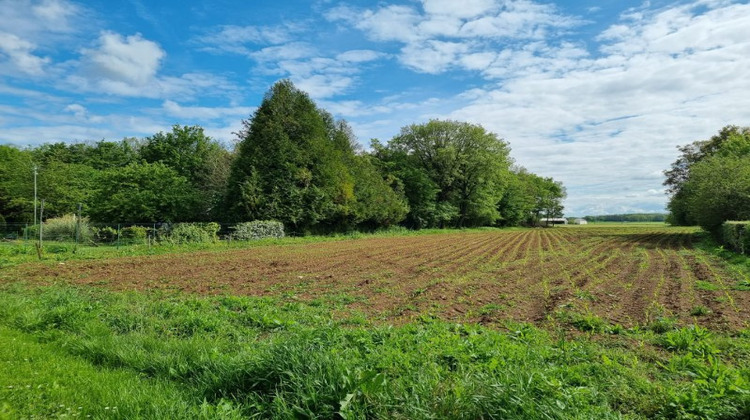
{"type": "Point", "coordinates": [196, 157]}
{"type": "Point", "coordinates": [141, 192]}
{"type": "Point", "coordinates": [107, 154]}
{"type": "Point", "coordinates": [287, 166]}
{"type": "Point", "coordinates": [518, 202]}
{"type": "Point", "coordinates": [679, 174]}
{"type": "Point", "coordinates": [454, 173]}
{"type": "Point", "coordinates": [16, 185]}
{"type": "Point", "coordinates": [379, 201]}
{"type": "Point", "coordinates": [710, 196]}
{"type": "Point", "coordinates": [64, 185]}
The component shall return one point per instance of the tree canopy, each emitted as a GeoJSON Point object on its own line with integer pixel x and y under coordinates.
{"type": "Point", "coordinates": [197, 158]}
{"type": "Point", "coordinates": [297, 165]}
{"type": "Point", "coordinates": [294, 163]}
{"type": "Point", "coordinates": [454, 173]}
{"type": "Point", "coordinates": [710, 182]}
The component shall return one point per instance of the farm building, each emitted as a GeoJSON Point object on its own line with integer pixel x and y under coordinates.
{"type": "Point", "coordinates": [553, 221]}
{"type": "Point", "coordinates": [581, 222]}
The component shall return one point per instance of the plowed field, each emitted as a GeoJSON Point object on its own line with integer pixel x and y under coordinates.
{"type": "Point", "coordinates": [625, 275]}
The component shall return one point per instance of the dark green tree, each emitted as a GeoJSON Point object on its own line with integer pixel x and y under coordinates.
{"type": "Point", "coordinates": [287, 167]}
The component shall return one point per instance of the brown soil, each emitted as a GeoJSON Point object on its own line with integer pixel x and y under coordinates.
{"type": "Point", "coordinates": [623, 275]}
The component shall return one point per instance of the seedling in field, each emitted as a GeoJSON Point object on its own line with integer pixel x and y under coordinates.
{"type": "Point", "coordinates": [700, 311]}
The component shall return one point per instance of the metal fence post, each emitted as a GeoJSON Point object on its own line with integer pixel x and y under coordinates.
{"type": "Point", "coordinates": [78, 229]}
{"type": "Point", "coordinates": [41, 224]}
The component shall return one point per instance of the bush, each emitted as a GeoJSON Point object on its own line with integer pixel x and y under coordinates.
{"type": "Point", "coordinates": [258, 229]}
{"type": "Point", "coordinates": [184, 233]}
{"type": "Point", "coordinates": [104, 234]}
{"type": "Point", "coordinates": [736, 235]}
{"type": "Point", "coordinates": [134, 234]}
{"type": "Point", "coordinates": [62, 229]}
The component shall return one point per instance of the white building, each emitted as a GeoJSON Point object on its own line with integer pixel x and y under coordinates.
{"type": "Point", "coordinates": [553, 221]}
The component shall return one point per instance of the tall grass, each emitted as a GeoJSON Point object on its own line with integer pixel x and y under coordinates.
{"type": "Point", "coordinates": [231, 356]}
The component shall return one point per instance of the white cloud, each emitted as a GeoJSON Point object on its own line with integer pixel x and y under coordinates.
{"type": "Point", "coordinates": [359, 56]}
{"type": "Point", "coordinates": [56, 15]}
{"type": "Point", "coordinates": [241, 39]}
{"type": "Point", "coordinates": [432, 56]}
{"type": "Point", "coordinates": [202, 113]}
{"type": "Point", "coordinates": [323, 85]}
{"type": "Point", "coordinates": [19, 55]}
{"type": "Point", "coordinates": [124, 62]}
{"type": "Point", "coordinates": [29, 26]}
{"type": "Point", "coordinates": [291, 51]}
{"type": "Point", "coordinates": [449, 34]}
{"type": "Point", "coordinates": [129, 66]}
{"type": "Point", "coordinates": [389, 23]}
{"type": "Point", "coordinates": [459, 9]}
{"type": "Point", "coordinates": [78, 110]}
{"type": "Point", "coordinates": [605, 122]}
{"type": "Point", "coordinates": [319, 76]}
{"type": "Point", "coordinates": [40, 20]}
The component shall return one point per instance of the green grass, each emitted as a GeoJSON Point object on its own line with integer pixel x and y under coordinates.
{"type": "Point", "coordinates": [42, 380]}
{"type": "Point", "coordinates": [176, 356]}
{"type": "Point", "coordinates": [736, 262]}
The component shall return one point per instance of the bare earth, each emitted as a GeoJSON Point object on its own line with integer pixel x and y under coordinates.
{"type": "Point", "coordinates": [625, 275]}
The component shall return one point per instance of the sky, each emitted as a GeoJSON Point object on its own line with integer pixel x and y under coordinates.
{"type": "Point", "coordinates": [596, 94]}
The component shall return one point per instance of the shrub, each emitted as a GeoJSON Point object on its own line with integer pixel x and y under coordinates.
{"type": "Point", "coordinates": [134, 234]}
{"type": "Point", "coordinates": [258, 229]}
{"type": "Point", "coordinates": [183, 233]}
{"type": "Point", "coordinates": [63, 229]}
{"type": "Point", "coordinates": [736, 235]}
{"type": "Point", "coordinates": [104, 234]}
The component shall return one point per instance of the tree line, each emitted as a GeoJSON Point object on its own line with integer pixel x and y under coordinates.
{"type": "Point", "coordinates": [709, 183]}
{"type": "Point", "coordinates": [628, 217]}
{"type": "Point", "coordinates": [294, 163]}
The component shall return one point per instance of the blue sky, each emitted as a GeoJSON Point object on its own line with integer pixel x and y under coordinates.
{"type": "Point", "coordinates": [596, 94]}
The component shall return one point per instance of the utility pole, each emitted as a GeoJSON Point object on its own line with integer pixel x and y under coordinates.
{"type": "Point", "coordinates": [35, 173]}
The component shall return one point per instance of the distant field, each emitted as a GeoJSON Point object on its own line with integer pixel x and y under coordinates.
{"type": "Point", "coordinates": [624, 274]}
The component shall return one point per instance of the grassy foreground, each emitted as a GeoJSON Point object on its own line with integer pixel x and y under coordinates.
{"type": "Point", "coordinates": [89, 352]}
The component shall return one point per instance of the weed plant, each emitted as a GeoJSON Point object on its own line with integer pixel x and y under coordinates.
{"type": "Point", "coordinates": [177, 356]}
